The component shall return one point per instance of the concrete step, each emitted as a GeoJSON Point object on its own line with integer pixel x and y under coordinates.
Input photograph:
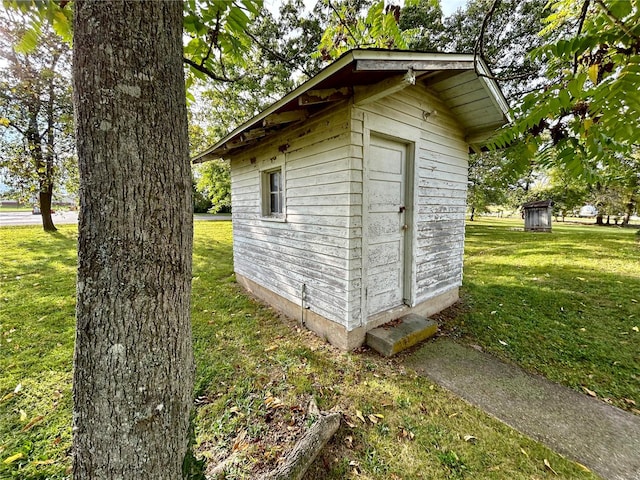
{"type": "Point", "coordinates": [401, 334]}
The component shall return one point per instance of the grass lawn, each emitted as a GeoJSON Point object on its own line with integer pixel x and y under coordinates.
{"type": "Point", "coordinates": [22, 208]}
{"type": "Point", "coordinates": [257, 371]}
{"type": "Point", "coordinates": [564, 304]}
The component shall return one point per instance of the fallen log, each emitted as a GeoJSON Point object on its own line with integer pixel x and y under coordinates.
{"type": "Point", "coordinates": [307, 448]}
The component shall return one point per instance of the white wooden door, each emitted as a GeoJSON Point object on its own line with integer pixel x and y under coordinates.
{"type": "Point", "coordinates": [385, 225]}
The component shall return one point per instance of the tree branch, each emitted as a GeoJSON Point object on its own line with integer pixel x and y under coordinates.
{"type": "Point", "coordinates": [342, 22]}
{"type": "Point", "coordinates": [478, 49]}
{"type": "Point", "coordinates": [616, 20]}
{"type": "Point", "coordinates": [277, 55]}
{"type": "Point", "coordinates": [583, 16]}
{"type": "Point", "coordinates": [210, 73]}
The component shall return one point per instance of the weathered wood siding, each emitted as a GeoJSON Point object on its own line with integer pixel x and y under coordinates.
{"type": "Point", "coordinates": [439, 183]}
{"type": "Point", "coordinates": [538, 219]}
{"type": "Point", "coordinates": [319, 242]}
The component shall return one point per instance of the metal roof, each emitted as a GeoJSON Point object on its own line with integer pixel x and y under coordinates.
{"type": "Point", "coordinates": [462, 81]}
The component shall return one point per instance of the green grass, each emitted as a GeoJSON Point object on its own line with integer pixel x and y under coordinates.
{"type": "Point", "coordinates": [564, 304]}
{"type": "Point", "coordinates": [23, 208]}
{"type": "Point", "coordinates": [256, 371]}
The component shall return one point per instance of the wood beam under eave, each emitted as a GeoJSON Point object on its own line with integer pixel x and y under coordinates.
{"type": "Point", "coordinates": [370, 93]}
{"type": "Point", "coordinates": [253, 134]}
{"type": "Point", "coordinates": [314, 97]}
{"type": "Point", "coordinates": [416, 65]}
{"type": "Point", "coordinates": [284, 117]}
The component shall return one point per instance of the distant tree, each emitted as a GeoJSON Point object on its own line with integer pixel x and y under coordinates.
{"type": "Point", "coordinates": [487, 182]}
{"type": "Point", "coordinates": [214, 182]}
{"type": "Point", "coordinates": [36, 114]}
{"type": "Point", "coordinates": [421, 24]}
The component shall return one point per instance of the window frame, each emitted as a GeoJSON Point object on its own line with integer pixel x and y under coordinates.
{"type": "Point", "coordinates": [266, 194]}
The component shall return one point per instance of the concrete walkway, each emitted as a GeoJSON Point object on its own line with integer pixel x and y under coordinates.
{"type": "Point", "coordinates": [599, 436]}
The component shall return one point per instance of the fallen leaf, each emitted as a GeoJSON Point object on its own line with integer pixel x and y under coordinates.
{"type": "Point", "coordinates": [18, 388]}
{"type": "Point", "coordinates": [582, 467]}
{"type": "Point", "coordinates": [629, 401]}
{"type": "Point", "coordinates": [635, 329]}
{"type": "Point", "coordinates": [501, 342]}
{"type": "Point", "coordinates": [13, 458]}
{"type": "Point", "coordinates": [581, 279]}
{"type": "Point", "coordinates": [548, 465]}
{"type": "Point", "coordinates": [271, 348]}
{"type": "Point", "coordinates": [33, 421]}
{"type": "Point", "coordinates": [44, 462]}
{"type": "Point", "coordinates": [591, 393]}
{"type": "Point", "coordinates": [378, 415]}
{"type": "Point", "coordinates": [7, 396]}
{"type": "Point", "coordinates": [351, 425]}
{"type": "Point", "coordinates": [360, 416]}
{"type": "Point", "coordinates": [470, 439]}
{"type": "Point", "coordinates": [23, 415]}
{"type": "Point", "coordinates": [523, 452]}
{"type": "Point", "coordinates": [373, 419]}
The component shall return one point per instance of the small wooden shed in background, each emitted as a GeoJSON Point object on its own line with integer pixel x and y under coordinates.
{"type": "Point", "coordinates": [537, 216]}
{"type": "Point", "coordinates": [349, 194]}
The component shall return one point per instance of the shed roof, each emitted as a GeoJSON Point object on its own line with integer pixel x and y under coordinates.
{"type": "Point", "coordinates": [538, 204]}
{"type": "Point", "coordinates": [462, 81]}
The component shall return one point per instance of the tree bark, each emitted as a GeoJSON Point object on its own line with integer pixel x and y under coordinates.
{"type": "Point", "coordinates": [133, 362]}
{"type": "Point", "coordinates": [44, 198]}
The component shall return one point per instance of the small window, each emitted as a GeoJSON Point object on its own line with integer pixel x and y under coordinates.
{"type": "Point", "coordinates": [273, 193]}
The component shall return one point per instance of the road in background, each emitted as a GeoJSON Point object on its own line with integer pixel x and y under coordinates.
{"type": "Point", "coordinates": [28, 218]}
{"type": "Point", "coordinates": [63, 218]}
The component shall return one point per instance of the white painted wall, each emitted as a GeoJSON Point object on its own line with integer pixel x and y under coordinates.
{"type": "Point", "coordinates": [320, 243]}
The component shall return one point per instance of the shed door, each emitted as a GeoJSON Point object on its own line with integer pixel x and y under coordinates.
{"type": "Point", "coordinates": [386, 228]}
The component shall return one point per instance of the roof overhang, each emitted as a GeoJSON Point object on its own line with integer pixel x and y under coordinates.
{"type": "Point", "coordinates": [464, 83]}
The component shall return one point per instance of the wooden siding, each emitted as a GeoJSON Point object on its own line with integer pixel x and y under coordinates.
{"type": "Point", "coordinates": [319, 242]}
{"type": "Point", "coordinates": [440, 183]}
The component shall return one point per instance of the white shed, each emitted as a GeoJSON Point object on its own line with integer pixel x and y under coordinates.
{"type": "Point", "coordinates": [349, 194]}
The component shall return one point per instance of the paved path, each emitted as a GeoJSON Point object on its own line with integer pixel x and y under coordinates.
{"type": "Point", "coordinates": [604, 438]}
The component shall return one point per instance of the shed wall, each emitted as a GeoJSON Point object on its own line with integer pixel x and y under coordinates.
{"type": "Point", "coordinates": [440, 183]}
{"type": "Point", "coordinates": [319, 244]}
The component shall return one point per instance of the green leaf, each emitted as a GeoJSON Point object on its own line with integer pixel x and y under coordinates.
{"type": "Point", "coordinates": [29, 40]}
{"type": "Point", "coordinates": [620, 8]}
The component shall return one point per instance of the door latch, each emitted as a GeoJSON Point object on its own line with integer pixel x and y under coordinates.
{"type": "Point", "coordinates": [402, 209]}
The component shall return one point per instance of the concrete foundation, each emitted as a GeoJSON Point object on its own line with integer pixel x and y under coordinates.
{"type": "Point", "coordinates": [335, 333]}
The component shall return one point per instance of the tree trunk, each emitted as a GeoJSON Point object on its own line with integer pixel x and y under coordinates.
{"type": "Point", "coordinates": [599, 219]}
{"type": "Point", "coordinates": [44, 198]}
{"type": "Point", "coordinates": [133, 363]}
{"type": "Point", "coordinates": [473, 214]}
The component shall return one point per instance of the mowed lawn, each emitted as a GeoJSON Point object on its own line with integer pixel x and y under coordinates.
{"type": "Point", "coordinates": [564, 304]}
{"type": "Point", "coordinates": [560, 304]}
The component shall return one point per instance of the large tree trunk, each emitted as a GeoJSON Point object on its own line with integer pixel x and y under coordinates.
{"type": "Point", "coordinates": [133, 364]}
